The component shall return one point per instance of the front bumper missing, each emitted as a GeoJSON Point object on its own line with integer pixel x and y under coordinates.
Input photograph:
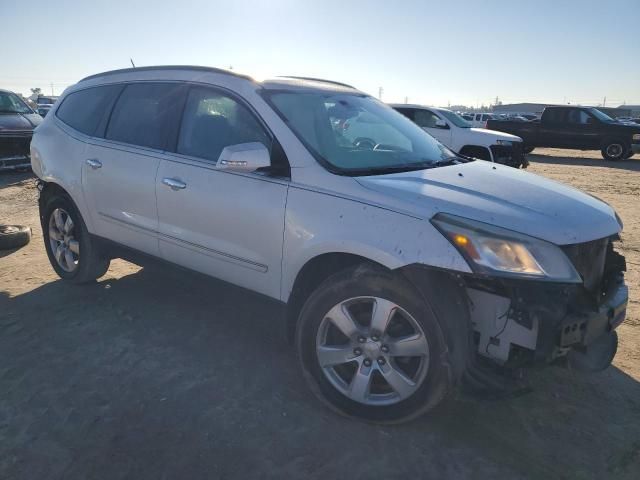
{"type": "Point", "coordinates": [511, 155]}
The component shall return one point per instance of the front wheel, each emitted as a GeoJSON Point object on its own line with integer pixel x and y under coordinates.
{"type": "Point", "coordinates": [371, 348]}
{"type": "Point", "coordinates": [614, 150]}
{"type": "Point", "coordinates": [71, 250]}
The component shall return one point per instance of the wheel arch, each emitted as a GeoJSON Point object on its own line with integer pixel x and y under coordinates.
{"type": "Point", "coordinates": [48, 188]}
{"type": "Point", "coordinates": [315, 271]}
{"type": "Point", "coordinates": [470, 148]}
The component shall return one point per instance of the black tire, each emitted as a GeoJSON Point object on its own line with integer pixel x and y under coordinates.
{"type": "Point", "coordinates": [527, 149]}
{"type": "Point", "coordinates": [629, 154]}
{"type": "Point", "coordinates": [14, 236]}
{"type": "Point", "coordinates": [91, 263]}
{"type": "Point", "coordinates": [614, 150]}
{"type": "Point", "coordinates": [372, 281]}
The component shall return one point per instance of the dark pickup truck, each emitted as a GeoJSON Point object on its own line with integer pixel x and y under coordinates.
{"type": "Point", "coordinates": [581, 128]}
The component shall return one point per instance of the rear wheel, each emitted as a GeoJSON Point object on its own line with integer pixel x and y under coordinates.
{"type": "Point", "coordinates": [527, 149]}
{"type": "Point", "coordinates": [71, 250]}
{"type": "Point", "coordinates": [614, 150]}
{"type": "Point", "coordinates": [371, 348]}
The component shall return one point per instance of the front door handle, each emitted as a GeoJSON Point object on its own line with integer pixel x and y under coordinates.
{"type": "Point", "coordinates": [94, 163]}
{"type": "Point", "coordinates": [174, 184]}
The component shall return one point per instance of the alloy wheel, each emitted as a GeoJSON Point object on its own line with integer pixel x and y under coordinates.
{"type": "Point", "coordinates": [64, 246]}
{"type": "Point", "coordinates": [372, 351]}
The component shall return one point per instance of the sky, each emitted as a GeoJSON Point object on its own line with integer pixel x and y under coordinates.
{"type": "Point", "coordinates": [429, 52]}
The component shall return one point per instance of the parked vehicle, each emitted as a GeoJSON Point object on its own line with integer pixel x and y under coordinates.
{"type": "Point", "coordinates": [480, 119]}
{"type": "Point", "coordinates": [400, 263]}
{"type": "Point", "coordinates": [17, 121]}
{"type": "Point", "coordinates": [45, 103]}
{"type": "Point", "coordinates": [582, 128]}
{"type": "Point", "coordinates": [467, 117]}
{"type": "Point", "coordinates": [456, 133]}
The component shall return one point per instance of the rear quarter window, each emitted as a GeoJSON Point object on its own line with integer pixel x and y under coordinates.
{"type": "Point", "coordinates": [84, 110]}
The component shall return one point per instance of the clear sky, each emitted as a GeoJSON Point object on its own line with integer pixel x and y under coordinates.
{"type": "Point", "coordinates": [433, 52]}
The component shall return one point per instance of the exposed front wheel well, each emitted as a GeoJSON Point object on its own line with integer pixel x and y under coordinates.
{"type": "Point", "coordinates": [49, 188]}
{"type": "Point", "coordinates": [476, 151]}
{"type": "Point", "coordinates": [312, 274]}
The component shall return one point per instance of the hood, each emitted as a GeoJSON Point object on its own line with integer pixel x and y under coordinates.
{"type": "Point", "coordinates": [501, 196]}
{"type": "Point", "coordinates": [19, 121]}
{"type": "Point", "coordinates": [494, 135]}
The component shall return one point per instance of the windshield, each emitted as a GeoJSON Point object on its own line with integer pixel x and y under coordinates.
{"type": "Point", "coordinates": [454, 118]}
{"type": "Point", "coordinates": [603, 117]}
{"type": "Point", "coordinates": [356, 134]}
{"type": "Point", "coordinates": [10, 103]}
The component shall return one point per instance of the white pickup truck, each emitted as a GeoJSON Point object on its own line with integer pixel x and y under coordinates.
{"type": "Point", "coordinates": [460, 136]}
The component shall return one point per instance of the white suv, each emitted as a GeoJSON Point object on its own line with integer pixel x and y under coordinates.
{"type": "Point", "coordinates": [460, 136]}
{"type": "Point", "coordinates": [404, 268]}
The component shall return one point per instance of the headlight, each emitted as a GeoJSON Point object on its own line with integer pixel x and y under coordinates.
{"type": "Point", "coordinates": [497, 251]}
{"type": "Point", "coordinates": [504, 142]}
{"type": "Point", "coordinates": [636, 137]}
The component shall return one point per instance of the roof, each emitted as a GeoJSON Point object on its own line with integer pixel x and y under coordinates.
{"type": "Point", "coordinates": [287, 82]}
{"type": "Point", "coordinates": [414, 105]}
{"type": "Point", "coordinates": [192, 68]}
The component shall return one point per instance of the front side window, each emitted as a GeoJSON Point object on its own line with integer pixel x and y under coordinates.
{"type": "Point", "coordinates": [356, 134]}
{"type": "Point", "coordinates": [579, 117]}
{"type": "Point", "coordinates": [83, 110]}
{"type": "Point", "coordinates": [426, 119]}
{"type": "Point", "coordinates": [213, 121]}
{"type": "Point", "coordinates": [143, 114]}
{"type": "Point", "coordinates": [456, 119]}
{"type": "Point", "coordinates": [11, 103]}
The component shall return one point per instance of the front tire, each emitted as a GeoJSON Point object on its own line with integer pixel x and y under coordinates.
{"type": "Point", "coordinates": [72, 252]}
{"type": "Point", "coordinates": [614, 150]}
{"type": "Point", "coordinates": [371, 348]}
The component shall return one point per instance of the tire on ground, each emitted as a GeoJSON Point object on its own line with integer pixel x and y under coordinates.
{"type": "Point", "coordinates": [365, 280]}
{"type": "Point", "coordinates": [92, 264]}
{"type": "Point", "coordinates": [14, 236]}
{"type": "Point", "coordinates": [614, 149]}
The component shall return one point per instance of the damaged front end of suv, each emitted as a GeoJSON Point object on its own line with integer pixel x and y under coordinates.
{"type": "Point", "coordinates": [532, 302]}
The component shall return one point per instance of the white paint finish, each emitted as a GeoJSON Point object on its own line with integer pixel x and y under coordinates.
{"type": "Point", "coordinates": [319, 223]}
{"type": "Point", "coordinates": [231, 225]}
{"type": "Point", "coordinates": [223, 224]}
{"type": "Point", "coordinates": [501, 196]}
{"type": "Point", "coordinates": [456, 137]}
{"type": "Point", "coordinates": [121, 194]}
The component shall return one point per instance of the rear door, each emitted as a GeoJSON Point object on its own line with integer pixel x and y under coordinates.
{"type": "Point", "coordinates": [225, 224]}
{"type": "Point", "coordinates": [552, 131]}
{"type": "Point", "coordinates": [119, 171]}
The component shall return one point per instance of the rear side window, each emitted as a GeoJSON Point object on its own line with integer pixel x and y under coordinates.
{"type": "Point", "coordinates": [555, 115]}
{"type": "Point", "coordinates": [85, 109]}
{"type": "Point", "coordinates": [143, 113]}
{"type": "Point", "coordinates": [213, 121]}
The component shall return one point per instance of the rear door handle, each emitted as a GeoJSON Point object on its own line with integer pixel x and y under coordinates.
{"type": "Point", "coordinates": [174, 184]}
{"type": "Point", "coordinates": [94, 163]}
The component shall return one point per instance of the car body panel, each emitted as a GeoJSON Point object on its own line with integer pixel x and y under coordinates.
{"type": "Point", "coordinates": [223, 224]}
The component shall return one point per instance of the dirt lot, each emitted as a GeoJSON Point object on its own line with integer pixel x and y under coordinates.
{"type": "Point", "coordinates": [160, 374]}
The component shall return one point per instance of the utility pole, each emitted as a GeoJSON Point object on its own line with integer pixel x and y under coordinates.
{"type": "Point", "coordinates": [604, 102]}
{"type": "Point", "coordinates": [380, 92]}
{"type": "Point", "coordinates": [52, 90]}
{"type": "Point", "coordinates": [406, 100]}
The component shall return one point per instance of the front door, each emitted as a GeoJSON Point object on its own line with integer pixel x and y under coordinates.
{"type": "Point", "coordinates": [225, 224]}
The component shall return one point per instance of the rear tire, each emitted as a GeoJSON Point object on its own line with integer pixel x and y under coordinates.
{"type": "Point", "coordinates": [76, 257]}
{"type": "Point", "coordinates": [370, 351]}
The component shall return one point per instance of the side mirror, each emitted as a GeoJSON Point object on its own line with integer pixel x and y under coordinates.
{"type": "Point", "coordinates": [441, 124]}
{"type": "Point", "coordinates": [244, 157]}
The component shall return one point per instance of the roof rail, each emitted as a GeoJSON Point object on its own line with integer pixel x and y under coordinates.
{"type": "Point", "coordinates": [169, 67]}
{"type": "Point", "coordinates": [311, 79]}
